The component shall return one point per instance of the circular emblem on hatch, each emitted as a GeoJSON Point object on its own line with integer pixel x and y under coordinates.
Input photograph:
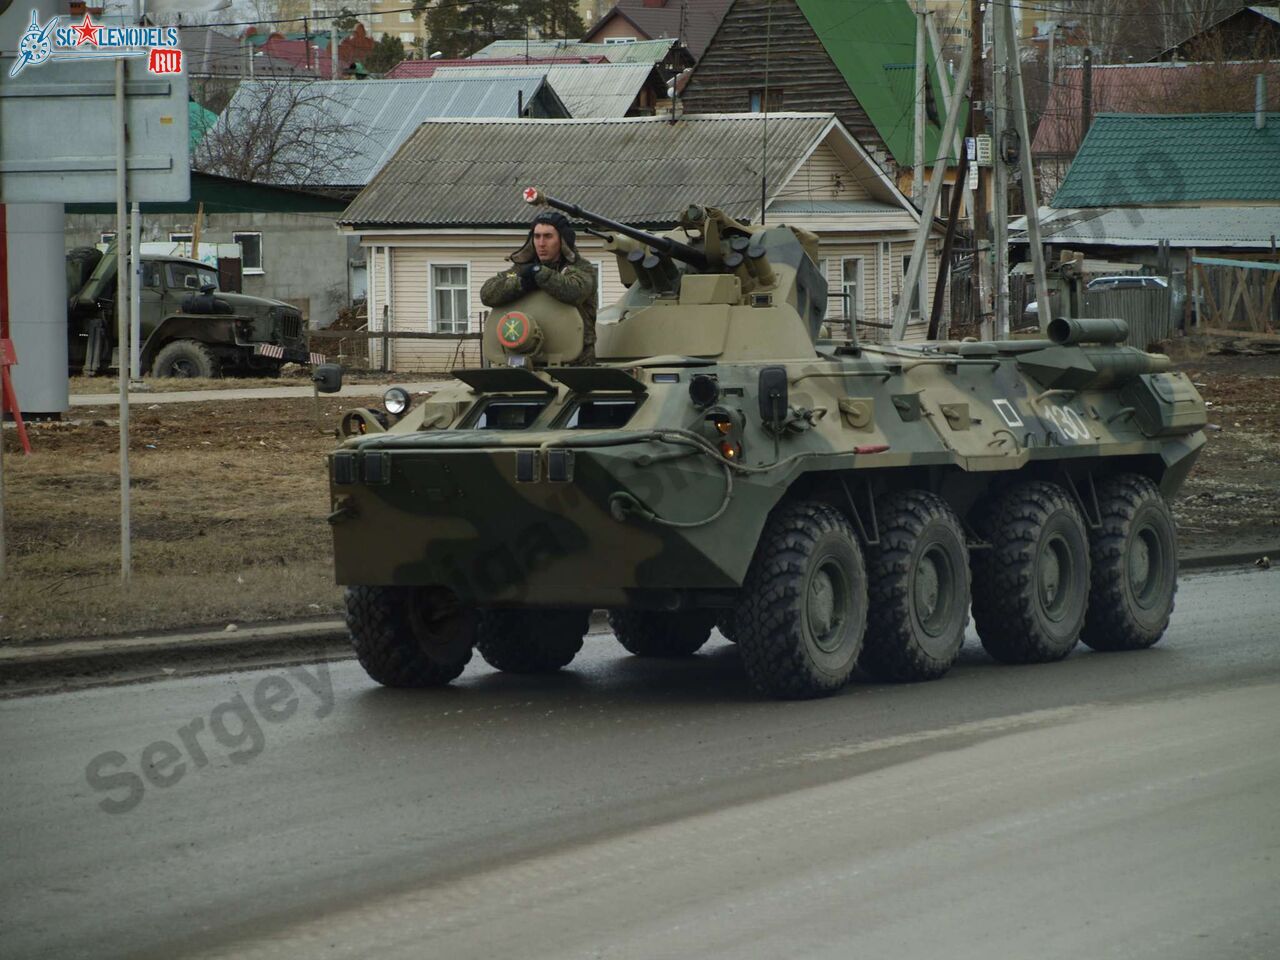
{"type": "Point", "coordinates": [514, 329]}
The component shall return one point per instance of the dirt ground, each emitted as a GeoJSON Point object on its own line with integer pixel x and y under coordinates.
{"type": "Point", "coordinates": [229, 502]}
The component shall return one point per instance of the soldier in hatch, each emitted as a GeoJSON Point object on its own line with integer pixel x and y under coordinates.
{"type": "Point", "coordinates": [548, 260]}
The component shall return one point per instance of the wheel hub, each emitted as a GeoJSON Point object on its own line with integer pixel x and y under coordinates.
{"type": "Point", "coordinates": [927, 588]}
{"type": "Point", "coordinates": [1054, 576]}
{"type": "Point", "coordinates": [826, 606]}
{"type": "Point", "coordinates": [1140, 562]}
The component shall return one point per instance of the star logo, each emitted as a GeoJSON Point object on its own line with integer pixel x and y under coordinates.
{"type": "Point", "coordinates": [86, 31]}
{"type": "Point", "coordinates": [530, 193]}
{"type": "Point", "coordinates": [512, 329]}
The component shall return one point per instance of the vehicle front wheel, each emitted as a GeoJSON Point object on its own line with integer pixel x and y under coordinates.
{"type": "Point", "coordinates": [1031, 585]}
{"type": "Point", "coordinates": [805, 603]}
{"type": "Point", "coordinates": [531, 641]}
{"type": "Point", "coordinates": [1134, 558]}
{"type": "Point", "coordinates": [409, 636]}
{"type": "Point", "coordinates": [186, 359]}
{"type": "Point", "coordinates": [659, 633]}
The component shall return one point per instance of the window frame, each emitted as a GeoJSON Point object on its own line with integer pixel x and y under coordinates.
{"type": "Point", "coordinates": [176, 237]}
{"type": "Point", "coordinates": [915, 314]}
{"type": "Point", "coordinates": [853, 304]}
{"type": "Point", "coordinates": [105, 237]}
{"type": "Point", "coordinates": [245, 269]}
{"type": "Point", "coordinates": [599, 265]}
{"type": "Point", "coordinates": [433, 321]}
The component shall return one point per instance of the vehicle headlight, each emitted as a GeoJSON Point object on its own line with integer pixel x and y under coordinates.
{"type": "Point", "coordinates": [396, 401]}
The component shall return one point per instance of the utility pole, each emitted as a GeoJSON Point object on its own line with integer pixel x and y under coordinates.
{"type": "Point", "coordinates": [921, 85]}
{"type": "Point", "coordinates": [1000, 208]}
{"type": "Point", "coordinates": [1029, 199]}
{"type": "Point", "coordinates": [333, 49]}
{"type": "Point", "coordinates": [1086, 94]}
{"type": "Point", "coordinates": [978, 117]}
{"type": "Point", "coordinates": [122, 316]}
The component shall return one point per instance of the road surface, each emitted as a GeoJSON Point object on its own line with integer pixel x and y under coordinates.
{"type": "Point", "coordinates": [1117, 805]}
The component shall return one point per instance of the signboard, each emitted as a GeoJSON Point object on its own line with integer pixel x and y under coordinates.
{"type": "Point", "coordinates": [57, 111]}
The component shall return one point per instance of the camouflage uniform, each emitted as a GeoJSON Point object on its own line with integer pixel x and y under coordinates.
{"type": "Point", "coordinates": [570, 280]}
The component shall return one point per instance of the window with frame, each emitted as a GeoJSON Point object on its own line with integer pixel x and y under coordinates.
{"type": "Point", "coordinates": [598, 266]}
{"type": "Point", "coordinates": [250, 251]}
{"type": "Point", "coordinates": [406, 16]}
{"type": "Point", "coordinates": [758, 103]}
{"type": "Point", "coordinates": [106, 237]}
{"type": "Point", "coordinates": [450, 297]}
{"type": "Point", "coordinates": [851, 287]}
{"type": "Point", "coordinates": [619, 39]}
{"type": "Point", "coordinates": [915, 290]}
{"type": "Point", "coordinates": [180, 238]}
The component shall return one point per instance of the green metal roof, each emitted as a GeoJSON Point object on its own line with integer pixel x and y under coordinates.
{"type": "Point", "coordinates": [200, 122]}
{"type": "Point", "coordinates": [869, 43]}
{"type": "Point", "coordinates": [1143, 159]}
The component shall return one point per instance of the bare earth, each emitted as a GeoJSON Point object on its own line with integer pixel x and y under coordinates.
{"type": "Point", "coordinates": [229, 504]}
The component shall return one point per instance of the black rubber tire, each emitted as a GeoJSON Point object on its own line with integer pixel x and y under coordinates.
{"type": "Point", "coordinates": [922, 553]}
{"type": "Point", "coordinates": [396, 642]}
{"type": "Point", "coordinates": [531, 641]}
{"type": "Point", "coordinates": [185, 359]}
{"type": "Point", "coordinates": [790, 648]}
{"type": "Point", "coordinates": [1022, 609]}
{"type": "Point", "coordinates": [658, 633]}
{"type": "Point", "coordinates": [1126, 613]}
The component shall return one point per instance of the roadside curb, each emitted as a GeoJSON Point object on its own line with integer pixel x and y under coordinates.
{"type": "Point", "coordinates": [37, 667]}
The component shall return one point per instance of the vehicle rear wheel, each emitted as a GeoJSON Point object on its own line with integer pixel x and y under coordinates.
{"type": "Point", "coordinates": [186, 359]}
{"type": "Point", "coordinates": [409, 636]}
{"type": "Point", "coordinates": [531, 641]}
{"type": "Point", "coordinates": [1134, 566]}
{"type": "Point", "coordinates": [805, 603]}
{"type": "Point", "coordinates": [659, 633]}
{"type": "Point", "coordinates": [918, 580]}
{"type": "Point", "coordinates": [1031, 586]}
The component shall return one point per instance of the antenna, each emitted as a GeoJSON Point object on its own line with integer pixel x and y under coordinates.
{"type": "Point", "coordinates": [764, 106]}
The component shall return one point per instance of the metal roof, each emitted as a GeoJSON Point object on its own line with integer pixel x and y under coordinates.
{"type": "Point", "coordinates": [642, 51]}
{"type": "Point", "coordinates": [641, 170]}
{"type": "Point", "coordinates": [587, 90]}
{"type": "Point", "coordinates": [1143, 159]}
{"type": "Point", "coordinates": [695, 23]}
{"type": "Point", "coordinates": [375, 117]}
{"type": "Point", "coordinates": [832, 207]}
{"type": "Point", "coordinates": [1209, 227]}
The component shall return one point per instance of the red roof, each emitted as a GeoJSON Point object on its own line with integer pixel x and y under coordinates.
{"type": "Point", "coordinates": [1162, 88]}
{"type": "Point", "coordinates": [417, 69]}
{"type": "Point", "coordinates": [351, 49]}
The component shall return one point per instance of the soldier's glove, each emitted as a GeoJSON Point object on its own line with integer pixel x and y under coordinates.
{"type": "Point", "coordinates": [528, 275]}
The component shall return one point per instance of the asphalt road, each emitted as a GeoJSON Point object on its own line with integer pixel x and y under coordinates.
{"type": "Point", "coordinates": [1119, 805]}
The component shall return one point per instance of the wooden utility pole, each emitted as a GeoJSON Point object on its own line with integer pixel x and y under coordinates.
{"type": "Point", "coordinates": [981, 198]}
{"type": "Point", "coordinates": [1029, 199]}
{"type": "Point", "coordinates": [1000, 207]}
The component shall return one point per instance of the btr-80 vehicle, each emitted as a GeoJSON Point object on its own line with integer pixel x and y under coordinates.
{"type": "Point", "coordinates": [828, 505]}
{"type": "Point", "coordinates": [189, 327]}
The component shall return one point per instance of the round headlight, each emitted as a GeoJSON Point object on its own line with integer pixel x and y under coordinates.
{"type": "Point", "coordinates": [396, 401]}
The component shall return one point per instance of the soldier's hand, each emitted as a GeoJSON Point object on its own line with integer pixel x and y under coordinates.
{"type": "Point", "coordinates": [528, 277]}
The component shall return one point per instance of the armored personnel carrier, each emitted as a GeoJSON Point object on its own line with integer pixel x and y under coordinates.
{"type": "Point", "coordinates": [827, 505]}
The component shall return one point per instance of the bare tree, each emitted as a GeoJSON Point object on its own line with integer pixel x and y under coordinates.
{"type": "Point", "coordinates": [282, 132]}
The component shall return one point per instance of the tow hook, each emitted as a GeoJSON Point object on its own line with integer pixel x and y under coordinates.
{"type": "Point", "coordinates": [345, 509]}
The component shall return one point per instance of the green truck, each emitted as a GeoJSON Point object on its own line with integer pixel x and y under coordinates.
{"type": "Point", "coordinates": [190, 328]}
{"type": "Point", "coordinates": [826, 504]}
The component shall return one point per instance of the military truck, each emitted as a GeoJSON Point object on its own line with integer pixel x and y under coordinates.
{"type": "Point", "coordinates": [828, 505]}
{"type": "Point", "coordinates": [189, 327]}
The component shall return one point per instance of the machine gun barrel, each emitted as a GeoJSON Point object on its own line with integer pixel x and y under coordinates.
{"type": "Point", "coordinates": [672, 248]}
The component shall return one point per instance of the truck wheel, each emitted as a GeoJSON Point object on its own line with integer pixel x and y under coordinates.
{"type": "Point", "coordinates": [185, 358]}
{"type": "Point", "coordinates": [727, 624]}
{"type": "Point", "coordinates": [1134, 559]}
{"type": "Point", "coordinates": [1031, 586]}
{"type": "Point", "coordinates": [409, 636]}
{"type": "Point", "coordinates": [657, 633]}
{"type": "Point", "coordinates": [531, 641]}
{"type": "Point", "coordinates": [919, 588]}
{"type": "Point", "coordinates": [805, 603]}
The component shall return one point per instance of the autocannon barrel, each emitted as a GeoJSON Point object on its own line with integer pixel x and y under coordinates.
{"type": "Point", "coordinates": [663, 245]}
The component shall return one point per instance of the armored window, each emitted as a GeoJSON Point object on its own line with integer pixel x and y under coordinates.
{"type": "Point", "coordinates": [601, 414]}
{"type": "Point", "coordinates": [514, 413]}
{"type": "Point", "coordinates": [250, 251]}
{"type": "Point", "coordinates": [450, 297]}
{"type": "Point", "coordinates": [851, 288]}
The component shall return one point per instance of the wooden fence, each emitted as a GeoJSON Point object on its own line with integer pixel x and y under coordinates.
{"type": "Point", "coordinates": [1236, 294]}
{"type": "Point", "coordinates": [351, 348]}
{"type": "Point", "coordinates": [1147, 310]}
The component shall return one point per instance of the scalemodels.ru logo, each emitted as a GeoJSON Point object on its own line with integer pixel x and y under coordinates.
{"type": "Point", "coordinates": [95, 41]}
